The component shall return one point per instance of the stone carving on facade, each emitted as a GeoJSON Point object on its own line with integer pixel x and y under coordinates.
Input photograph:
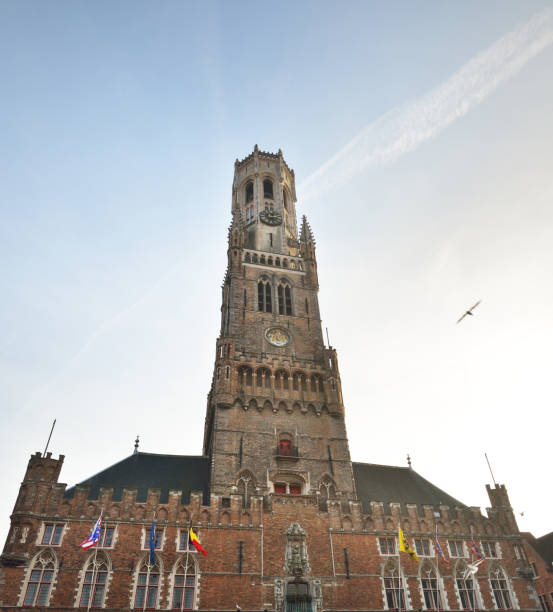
{"type": "Point", "coordinates": [296, 559]}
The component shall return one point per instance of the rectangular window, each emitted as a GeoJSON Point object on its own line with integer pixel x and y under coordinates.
{"type": "Point", "coordinates": [394, 593]}
{"type": "Point", "coordinates": [188, 592]}
{"type": "Point", "coordinates": [466, 594]}
{"type": "Point", "coordinates": [544, 603]}
{"type": "Point", "coordinates": [431, 594]}
{"type": "Point", "coordinates": [280, 488]}
{"type": "Point", "coordinates": [501, 594]}
{"type": "Point", "coordinates": [422, 546]}
{"type": "Point", "coordinates": [143, 585]}
{"type": "Point", "coordinates": [456, 548]}
{"type": "Point", "coordinates": [387, 546]}
{"type": "Point", "coordinates": [534, 570]}
{"type": "Point", "coordinates": [489, 549]}
{"type": "Point", "coordinates": [52, 534]}
{"type": "Point", "coordinates": [106, 537]}
{"type": "Point", "coordinates": [295, 489]}
{"type": "Point", "coordinates": [184, 541]}
{"type": "Point", "coordinates": [158, 541]}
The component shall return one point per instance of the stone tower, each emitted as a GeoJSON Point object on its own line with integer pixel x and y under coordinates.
{"type": "Point", "coordinates": [275, 415]}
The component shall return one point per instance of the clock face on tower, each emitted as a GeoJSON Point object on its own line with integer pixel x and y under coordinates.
{"type": "Point", "coordinates": [269, 217]}
{"type": "Point", "coordinates": [278, 336]}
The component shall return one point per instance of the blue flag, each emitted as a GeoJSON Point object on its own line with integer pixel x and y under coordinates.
{"type": "Point", "coordinates": [152, 543]}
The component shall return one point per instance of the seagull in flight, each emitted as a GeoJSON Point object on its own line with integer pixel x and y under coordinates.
{"type": "Point", "coordinates": [469, 311]}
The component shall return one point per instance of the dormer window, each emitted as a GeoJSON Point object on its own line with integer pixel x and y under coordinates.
{"type": "Point", "coordinates": [249, 192]}
{"type": "Point", "coordinates": [268, 188]}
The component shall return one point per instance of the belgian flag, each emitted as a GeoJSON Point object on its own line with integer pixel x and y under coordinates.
{"type": "Point", "coordinates": [194, 539]}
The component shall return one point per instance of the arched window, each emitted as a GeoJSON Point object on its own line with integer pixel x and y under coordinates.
{"type": "Point", "coordinates": [147, 585]}
{"type": "Point", "coordinates": [465, 587]}
{"type": "Point", "coordinates": [184, 584]}
{"type": "Point", "coordinates": [94, 581]}
{"type": "Point", "coordinates": [327, 491]}
{"type": "Point", "coordinates": [430, 587]}
{"type": "Point", "coordinates": [249, 192]}
{"type": "Point", "coordinates": [264, 301]}
{"type": "Point", "coordinates": [284, 298]}
{"type": "Point", "coordinates": [501, 589]}
{"type": "Point", "coordinates": [393, 587]}
{"type": "Point", "coordinates": [285, 448]}
{"type": "Point", "coordinates": [245, 486]}
{"type": "Point", "coordinates": [277, 262]}
{"type": "Point", "coordinates": [262, 259]}
{"type": "Point", "coordinates": [268, 188]}
{"type": "Point", "coordinates": [245, 376]}
{"type": "Point", "coordinates": [247, 257]}
{"type": "Point", "coordinates": [303, 379]}
{"type": "Point", "coordinates": [40, 579]}
{"type": "Point", "coordinates": [285, 198]}
{"type": "Point", "coordinates": [269, 260]}
{"type": "Point", "coordinates": [264, 378]}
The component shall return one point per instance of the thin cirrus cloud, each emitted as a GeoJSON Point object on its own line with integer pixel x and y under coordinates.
{"type": "Point", "coordinates": [402, 129]}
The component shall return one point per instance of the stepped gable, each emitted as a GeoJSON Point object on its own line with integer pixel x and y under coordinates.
{"type": "Point", "coordinates": [151, 471]}
{"type": "Point", "coordinates": [391, 484]}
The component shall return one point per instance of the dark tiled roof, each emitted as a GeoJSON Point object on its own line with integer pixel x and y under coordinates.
{"type": "Point", "coordinates": [545, 547]}
{"type": "Point", "coordinates": [387, 483]}
{"type": "Point", "coordinates": [148, 471]}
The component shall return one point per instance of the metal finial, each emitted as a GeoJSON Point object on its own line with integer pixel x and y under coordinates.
{"type": "Point", "coordinates": [409, 460]}
{"type": "Point", "coordinates": [136, 445]}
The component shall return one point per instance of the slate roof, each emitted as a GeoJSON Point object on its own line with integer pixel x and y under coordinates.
{"type": "Point", "coordinates": [387, 483]}
{"type": "Point", "coordinates": [148, 470]}
{"type": "Point", "coordinates": [545, 547]}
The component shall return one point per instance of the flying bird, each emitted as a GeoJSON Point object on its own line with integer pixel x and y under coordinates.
{"type": "Point", "coordinates": [469, 311]}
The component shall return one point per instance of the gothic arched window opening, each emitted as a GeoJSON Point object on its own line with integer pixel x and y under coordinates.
{"type": "Point", "coordinates": [264, 378]}
{"type": "Point", "coordinates": [94, 582]}
{"type": "Point", "coordinates": [394, 588]}
{"type": "Point", "coordinates": [264, 301]}
{"type": "Point", "coordinates": [249, 192]}
{"type": "Point", "coordinates": [40, 580]}
{"type": "Point", "coordinates": [465, 587]}
{"type": "Point", "coordinates": [500, 589]}
{"type": "Point", "coordinates": [184, 585]}
{"type": "Point", "coordinates": [268, 188]}
{"type": "Point", "coordinates": [147, 586]}
{"type": "Point", "coordinates": [284, 298]}
{"type": "Point", "coordinates": [245, 376]}
{"type": "Point", "coordinates": [430, 588]}
{"type": "Point", "coordinates": [245, 487]}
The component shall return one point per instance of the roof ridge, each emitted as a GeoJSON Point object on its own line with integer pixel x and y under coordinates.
{"type": "Point", "coordinates": [395, 467]}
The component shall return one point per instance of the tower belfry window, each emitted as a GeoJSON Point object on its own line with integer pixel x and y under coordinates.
{"type": "Point", "coordinates": [264, 296]}
{"type": "Point", "coordinates": [249, 192]}
{"type": "Point", "coordinates": [284, 298]}
{"type": "Point", "coordinates": [268, 188]}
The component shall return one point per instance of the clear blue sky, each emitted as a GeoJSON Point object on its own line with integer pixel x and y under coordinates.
{"type": "Point", "coordinates": [120, 124]}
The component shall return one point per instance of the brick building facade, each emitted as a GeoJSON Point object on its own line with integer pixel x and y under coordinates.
{"type": "Point", "coordinates": [289, 521]}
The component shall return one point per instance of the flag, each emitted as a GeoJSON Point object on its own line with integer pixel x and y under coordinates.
{"type": "Point", "coordinates": [475, 549]}
{"type": "Point", "coordinates": [472, 568]}
{"type": "Point", "coordinates": [94, 535]}
{"type": "Point", "coordinates": [153, 543]}
{"type": "Point", "coordinates": [441, 552]}
{"type": "Point", "coordinates": [404, 546]}
{"type": "Point", "coordinates": [196, 542]}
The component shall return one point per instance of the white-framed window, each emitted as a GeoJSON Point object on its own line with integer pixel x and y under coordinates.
{"type": "Point", "coordinates": [489, 549]}
{"type": "Point", "coordinates": [184, 541]}
{"type": "Point", "coordinates": [52, 534]}
{"type": "Point", "coordinates": [466, 587]}
{"type": "Point", "coordinates": [520, 553]}
{"type": "Point", "coordinates": [456, 548]}
{"type": "Point", "coordinates": [40, 577]}
{"type": "Point", "coordinates": [394, 587]}
{"type": "Point", "coordinates": [534, 570]}
{"type": "Point", "coordinates": [430, 587]}
{"type": "Point", "coordinates": [107, 536]}
{"type": "Point", "coordinates": [158, 541]}
{"type": "Point", "coordinates": [148, 582]}
{"type": "Point", "coordinates": [184, 581]}
{"type": "Point", "coordinates": [501, 589]}
{"type": "Point", "coordinates": [423, 547]}
{"type": "Point", "coordinates": [94, 581]}
{"type": "Point", "coordinates": [387, 546]}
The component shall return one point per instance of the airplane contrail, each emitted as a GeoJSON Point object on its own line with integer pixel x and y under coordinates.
{"type": "Point", "coordinates": [402, 129]}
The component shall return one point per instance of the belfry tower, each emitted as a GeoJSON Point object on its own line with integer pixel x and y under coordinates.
{"type": "Point", "coordinates": [275, 415]}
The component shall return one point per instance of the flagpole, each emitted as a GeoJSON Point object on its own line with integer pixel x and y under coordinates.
{"type": "Point", "coordinates": [437, 575]}
{"type": "Point", "coordinates": [149, 567]}
{"type": "Point", "coordinates": [93, 578]}
{"type": "Point", "coordinates": [399, 566]}
{"type": "Point", "coordinates": [186, 564]}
